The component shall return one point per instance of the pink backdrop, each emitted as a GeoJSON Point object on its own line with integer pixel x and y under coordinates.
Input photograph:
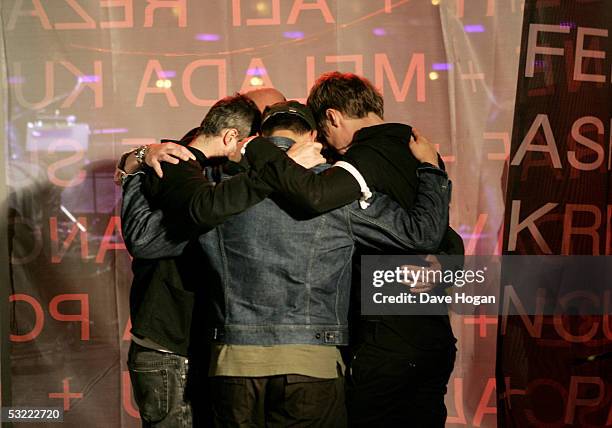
{"type": "Point", "coordinates": [85, 80]}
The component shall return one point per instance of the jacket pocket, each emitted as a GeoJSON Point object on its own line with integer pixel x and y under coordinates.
{"type": "Point", "coordinates": [151, 392]}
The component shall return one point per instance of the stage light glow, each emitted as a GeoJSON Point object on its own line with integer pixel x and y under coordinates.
{"type": "Point", "coordinates": [379, 32]}
{"type": "Point", "coordinates": [474, 28]}
{"type": "Point", "coordinates": [433, 75]}
{"type": "Point", "coordinates": [256, 71]}
{"type": "Point", "coordinates": [208, 37]}
{"type": "Point", "coordinates": [110, 131]}
{"type": "Point", "coordinates": [435, 2]}
{"type": "Point", "coordinates": [442, 66]}
{"type": "Point", "coordinates": [92, 78]}
{"type": "Point", "coordinates": [262, 7]}
{"type": "Point", "coordinates": [163, 83]}
{"type": "Point", "coordinates": [166, 74]}
{"type": "Point", "coordinates": [256, 81]}
{"type": "Point", "coordinates": [293, 34]}
{"type": "Point", "coordinates": [16, 80]}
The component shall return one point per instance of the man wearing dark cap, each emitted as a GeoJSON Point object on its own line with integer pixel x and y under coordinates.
{"type": "Point", "coordinates": [280, 283]}
{"type": "Point", "coordinates": [256, 378]}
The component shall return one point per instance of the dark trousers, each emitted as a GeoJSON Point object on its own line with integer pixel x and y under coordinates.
{"type": "Point", "coordinates": [278, 401]}
{"type": "Point", "coordinates": [397, 386]}
{"type": "Point", "coordinates": [165, 387]}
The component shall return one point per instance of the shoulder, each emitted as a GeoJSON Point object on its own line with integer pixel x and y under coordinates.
{"type": "Point", "coordinates": [182, 167]}
{"type": "Point", "coordinates": [362, 152]}
{"type": "Point", "coordinates": [320, 168]}
{"type": "Point", "coordinates": [174, 175]}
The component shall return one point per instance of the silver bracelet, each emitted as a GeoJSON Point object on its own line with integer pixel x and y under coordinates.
{"type": "Point", "coordinates": [140, 154]}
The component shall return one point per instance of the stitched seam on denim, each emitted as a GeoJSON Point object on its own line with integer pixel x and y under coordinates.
{"type": "Point", "coordinates": [145, 366]}
{"type": "Point", "coordinates": [313, 248]}
{"type": "Point", "coordinates": [166, 393]}
{"type": "Point", "coordinates": [347, 263]}
{"type": "Point", "coordinates": [283, 334]}
{"type": "Point", "coordinates": [371, 220]}
{"type": "Point", "coordinates": [347, 214]}
{"type": "Point", "coordinates": [225, 274]}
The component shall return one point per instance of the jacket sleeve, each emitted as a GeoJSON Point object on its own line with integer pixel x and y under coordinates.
{"type": "Point", "coordinates": [384, 225]}
{"type": "Point", "coordinates": [195, 205]}
{"type": "Point", "coordinates": [143, 229]}
{"type": "Point", "coordinates": [452, 247]}
{"type": "Point", "coordinates": [306, 190]}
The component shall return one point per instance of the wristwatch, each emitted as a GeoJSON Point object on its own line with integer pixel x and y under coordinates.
{"type": "Point", "coordinates": [140, 153]}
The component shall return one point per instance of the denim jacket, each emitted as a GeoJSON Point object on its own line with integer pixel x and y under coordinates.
{"type": "Point", "coordinates": [280, 278]}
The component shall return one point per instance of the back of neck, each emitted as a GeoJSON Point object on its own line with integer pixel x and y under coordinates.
{"type": "Point", "coordinates": [206, 145]}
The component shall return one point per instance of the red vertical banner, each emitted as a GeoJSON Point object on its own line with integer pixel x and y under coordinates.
{"type": "Point", "coordinates": [558, 202]}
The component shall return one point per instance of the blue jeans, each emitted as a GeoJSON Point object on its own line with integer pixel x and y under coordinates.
{"type": "Point", "coordinates": [159, 382]}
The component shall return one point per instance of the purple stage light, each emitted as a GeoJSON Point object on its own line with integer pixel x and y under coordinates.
{"type": "Point", "coordinates": [15, 80]}
{"type": "Point", "coordinates": [293, 34]}
{"type": "Point", "coordinates": [167, 74]}
{"type": "Point", "coordinates": [379, 32]}
{"type": "Point", "coordinates": [207, 37]}
{"type": "Point", "coordinates": [110, 131]}
{"type": "Point", "coordinates": [441, 66]}
{"type": "Point", "coordinates": [256, 71]}
{"type": "Point", "coordinates": [567, 24]}
{"type": "Point", "coordinates": [92, 78]}
{"type": "Point", "coordinates": [474, 28]}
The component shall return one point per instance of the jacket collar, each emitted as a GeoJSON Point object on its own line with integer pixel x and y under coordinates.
{"type": "Point", "coordinates": [201, 157]}
{"type": "Point", "coordinates": [392, 130]}
{"type": "Point", "coordinates": [283, 143]}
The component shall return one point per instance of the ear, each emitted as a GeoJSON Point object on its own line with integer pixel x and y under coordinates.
{"type": "Point", "coordinates": [334, 117]}
{"type": "Point", "coordinates": [313, 135]}
{"type": "Point", "coordinates": [230, 136]}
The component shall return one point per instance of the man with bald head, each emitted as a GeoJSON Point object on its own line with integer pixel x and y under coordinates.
{"type": "Point", "coordinates": [265, 97]}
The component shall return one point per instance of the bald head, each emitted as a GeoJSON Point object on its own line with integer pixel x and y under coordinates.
{"type": "Point", "coordinates": [264, 97]}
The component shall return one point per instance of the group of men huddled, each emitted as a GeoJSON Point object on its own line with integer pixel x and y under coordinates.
{"type": "Point", "coordinates": [245, 240]}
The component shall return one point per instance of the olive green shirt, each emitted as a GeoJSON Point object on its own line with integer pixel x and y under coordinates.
{"type": "Point", "coordinates": [324, 362]}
